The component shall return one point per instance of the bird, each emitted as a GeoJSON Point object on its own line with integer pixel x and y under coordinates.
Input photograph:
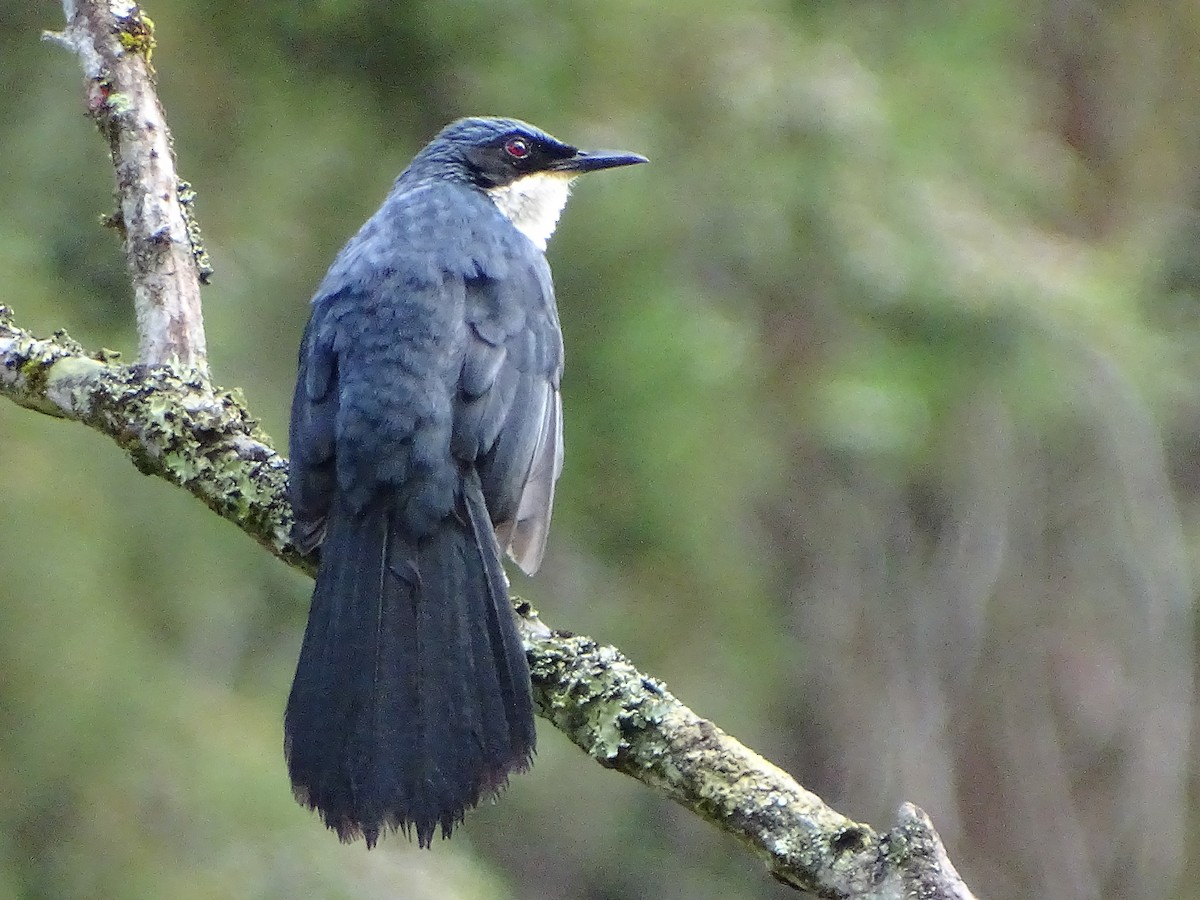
{"type": "Point", "coordinates": [425, 440]}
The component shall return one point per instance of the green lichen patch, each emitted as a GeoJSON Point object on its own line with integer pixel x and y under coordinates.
{"type": "Point", "coordinates": [136, 34]}
{"type": "Point", "coordinates": [116, 104]}
{"type": "Point", "coordinates": [187, 202]}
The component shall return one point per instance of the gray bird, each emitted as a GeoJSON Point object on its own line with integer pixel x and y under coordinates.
{"type": "Point", "coordinates": [426, 439]}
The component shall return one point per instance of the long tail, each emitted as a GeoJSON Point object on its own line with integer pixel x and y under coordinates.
{"type": "Point", "coordinates": [411, 701]}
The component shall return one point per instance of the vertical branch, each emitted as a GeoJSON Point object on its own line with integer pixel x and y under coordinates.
{"type": "Point", "coordinates": [114, 40]}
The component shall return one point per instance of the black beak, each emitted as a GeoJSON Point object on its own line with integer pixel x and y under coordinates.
{"type": "Point", "coordinates": [595, 160]}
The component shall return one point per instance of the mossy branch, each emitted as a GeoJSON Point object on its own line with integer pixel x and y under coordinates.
{"type": "Point", "coordinates": [174, 424]}
{"type": "Point", "coordinates": [628, 721]}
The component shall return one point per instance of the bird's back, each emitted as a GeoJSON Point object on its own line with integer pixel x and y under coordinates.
{"type": "Point", "coordinates": [437, 325]}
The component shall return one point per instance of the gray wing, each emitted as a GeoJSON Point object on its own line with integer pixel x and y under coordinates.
{"type": "Point", "coordinates": [508, 418]}
{"type": "Point", "coordinates": [311, 474]}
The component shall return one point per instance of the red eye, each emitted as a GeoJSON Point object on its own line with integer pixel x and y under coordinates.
{"type": "Point", "coordinates": [516, 148]}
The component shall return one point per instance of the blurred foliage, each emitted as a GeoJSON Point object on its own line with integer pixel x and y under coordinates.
{"type": "Point", "coordinates": [882, 430]}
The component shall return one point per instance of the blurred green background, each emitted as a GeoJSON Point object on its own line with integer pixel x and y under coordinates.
{"type": "Point", "coordinates": [883, 430]}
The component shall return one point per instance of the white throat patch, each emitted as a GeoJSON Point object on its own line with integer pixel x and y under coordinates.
{"type": "Point", "coordinates": [534, 203]}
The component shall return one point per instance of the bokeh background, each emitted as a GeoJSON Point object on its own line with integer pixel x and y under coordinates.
{"type": "Point", "coordinates": [883, 422]}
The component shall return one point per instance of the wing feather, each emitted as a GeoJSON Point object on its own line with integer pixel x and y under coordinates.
{"type": "Point", "coordinates": [311, 480]}
{"type": "Point", "coordinates": [508, 421]}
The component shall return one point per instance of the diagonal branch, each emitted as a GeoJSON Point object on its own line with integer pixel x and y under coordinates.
{"type": "Point", "coordinates": [180, 428]}
{"type": "Point", "coordinates": [630, 722]}
{"type": "Point", "coordinates": [176, 425]}
{"type": "Point", "coordinates": [173, 423]}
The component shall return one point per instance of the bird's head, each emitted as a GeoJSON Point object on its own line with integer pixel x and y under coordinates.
{"type": "Point", "coordinates": [526, 172]}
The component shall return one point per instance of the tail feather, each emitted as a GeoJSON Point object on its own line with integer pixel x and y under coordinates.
{"type": "Point", "coordinates": [411, 700]}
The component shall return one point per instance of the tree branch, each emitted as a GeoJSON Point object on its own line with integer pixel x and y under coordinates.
{"type": "Point", "coordinates": [630, 722]}
{"type": "Point", "coordinates": [174, 424]}
{"type": "Point", "coordinates": [179, 427]}
{"type": "Point", "coordinates": [114, 41]}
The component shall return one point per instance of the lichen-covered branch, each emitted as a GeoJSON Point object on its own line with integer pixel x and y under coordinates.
{"type": "Point", "coordinates": [179, 427]}
{"type": "Point", "coordinates": [173, 423]}
{"type": "Point", "coordinates": [630, 722]}
{"type": "Point", "coordinates": [114, 40]}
